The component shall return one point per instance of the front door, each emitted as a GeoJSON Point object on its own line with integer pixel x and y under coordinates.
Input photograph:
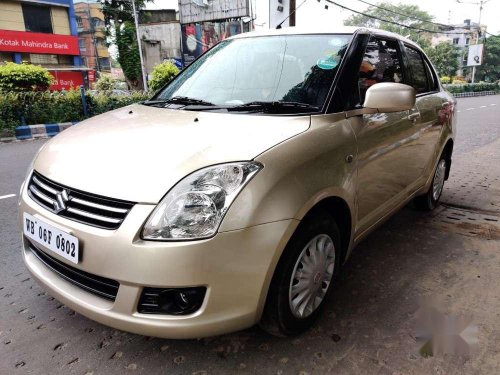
{"type": "Point", "coordinates": [383, 138]}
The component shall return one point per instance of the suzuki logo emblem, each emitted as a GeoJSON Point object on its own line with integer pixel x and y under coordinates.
{"type": "Point", "coordinates": [61, 199]}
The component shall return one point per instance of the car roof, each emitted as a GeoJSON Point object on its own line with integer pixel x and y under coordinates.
{"type": "Point", "coordinates": [294, 30]}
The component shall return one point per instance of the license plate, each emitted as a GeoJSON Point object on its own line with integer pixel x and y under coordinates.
{"type": "Point", "coordinates": [54, 239]}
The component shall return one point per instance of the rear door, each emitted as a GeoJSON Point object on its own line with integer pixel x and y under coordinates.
{"type": "Point", "coordinates": [383, 156]}
{"type": "Point", "coordinates": [426, 122]}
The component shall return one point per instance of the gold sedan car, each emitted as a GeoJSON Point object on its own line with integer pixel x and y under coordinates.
{"type": "Point", "coordinates": [237, 192]}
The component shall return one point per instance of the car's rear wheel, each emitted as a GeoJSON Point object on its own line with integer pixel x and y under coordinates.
{"type": "Point", "coordinates": [430, 200]}
{"type": "Point", "coordinates": [304, 276]}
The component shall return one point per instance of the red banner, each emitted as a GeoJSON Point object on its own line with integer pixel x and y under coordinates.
{"type": "Point", "coordinates": [66, 80]}
{"type": "Point", "coordinates": [23, 41]}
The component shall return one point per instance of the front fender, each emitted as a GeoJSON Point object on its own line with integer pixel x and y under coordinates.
{"type": "Point", "coordinates": [297, 174]}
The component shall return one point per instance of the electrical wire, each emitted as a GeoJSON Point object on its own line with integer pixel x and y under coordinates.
{"type": "Point", "coordinates": [393, 22]}
{"type": "Point", "coordinates": [406, 15]}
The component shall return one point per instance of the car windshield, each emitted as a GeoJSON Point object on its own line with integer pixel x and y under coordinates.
{"type": "Point", "coordinates": [287, 71]}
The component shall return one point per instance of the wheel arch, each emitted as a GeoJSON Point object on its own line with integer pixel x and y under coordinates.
{"type": "Point", "coordinates": [339, 209]}
{"type": "Point", "coordinates": [447, 152]}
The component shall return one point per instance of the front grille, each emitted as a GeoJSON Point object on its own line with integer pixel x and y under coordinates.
{"type": "Point", "coordinates": [76, 205]}
{"type": "Point", "coordinates": [100, 286]}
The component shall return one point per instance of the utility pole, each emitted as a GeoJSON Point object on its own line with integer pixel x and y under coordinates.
{"type": "Point", "coordinates": [291, 13]}
{"type": "Point", "coordinates": [143, 70]}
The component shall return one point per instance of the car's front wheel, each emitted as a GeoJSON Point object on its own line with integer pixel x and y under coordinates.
{"type": "Point", "coordinates": [429, 200]}
{"type": "Point", "coordinates": [303, 277]}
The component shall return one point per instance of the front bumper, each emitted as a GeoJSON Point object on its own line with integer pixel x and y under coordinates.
{"type": "Point", "coordinates": [236, 268]}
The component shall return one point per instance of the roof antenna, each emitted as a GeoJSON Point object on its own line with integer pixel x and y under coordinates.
{"type": "Point", "coordinates": [287, 17]}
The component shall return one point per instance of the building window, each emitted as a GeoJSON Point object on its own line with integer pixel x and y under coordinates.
{"type": "Point", "coordinates": [467, 41]}
{"type": "Point", "coordinates": [104, 63]}
{"type": "Point", "coordinates": [97, 22]}
{"type": "Point", "coordinates": [84, 61]}
{"type": "Point", "coordinates": [37, 18]}
{"type": "Point", "coordinates": [65, 60]}
{"type": "Point", "coordinates": [100, 43]}
{"type": "Point", "coordinates": [81, 45]}
{"type": "Point", "coordinates": [455, 40]}
{"type": "Point", "coordinates": [79, 22]}
{"type": "Point", "coordinates": [6, 57]}
{"type": "Point", "coordinates": [36, 58]}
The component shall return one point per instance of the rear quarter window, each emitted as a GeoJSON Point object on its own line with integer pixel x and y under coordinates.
{"type": "Point", "coordinates": [418, 70]}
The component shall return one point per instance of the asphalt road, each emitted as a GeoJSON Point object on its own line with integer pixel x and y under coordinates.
{"type": "Point", "coordinates": [368, 325]}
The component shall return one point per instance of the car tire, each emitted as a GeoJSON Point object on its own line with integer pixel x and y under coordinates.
{"type": "Point", "coordinates": [318, 236]}
{"type": "Point", "coordinates": [430, 200]}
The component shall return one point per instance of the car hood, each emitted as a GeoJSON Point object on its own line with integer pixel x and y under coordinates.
{"type": "Point", "coordinates": [137, 153]}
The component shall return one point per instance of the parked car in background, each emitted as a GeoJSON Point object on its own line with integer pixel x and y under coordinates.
{"type": "Point", "coordinates": [235, 195]}
{"type": "Point", "coordinates": [116, 92]}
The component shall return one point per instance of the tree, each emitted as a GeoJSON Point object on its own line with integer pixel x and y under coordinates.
{"type": "Point", "coordinates": [162, 74]}
{"type": "Point", "coordinates": [444, 56]}
{"type": "Point", "coordinates": [120, 27]}
{"type": "Point", "coordinates": [404, 14]}
{"type": "Point", "coordinates": [105, 82]}
{"type": "Point", "coordinates": [24, 77]}
{"type": "Point", "coordinates": [490, 69]}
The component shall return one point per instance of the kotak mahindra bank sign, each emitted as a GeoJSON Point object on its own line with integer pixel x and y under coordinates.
{"type": "Point", "coordinates": [21, 41]}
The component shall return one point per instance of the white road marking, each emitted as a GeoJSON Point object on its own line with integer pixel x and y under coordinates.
{"type": "Point", "coordinates": [492, 104]}
{"type": "Point", "coordinates": [7, 196]}
{"type": "Point", "coordinates": [483, 106]}
{"type": "Point", "coordinates": [458, 111]}
{"type": "Point", "coordinates": [468, 109]}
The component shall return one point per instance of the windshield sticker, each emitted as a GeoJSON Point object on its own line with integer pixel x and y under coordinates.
{"type": "Point", "coordinates": [327, 63]}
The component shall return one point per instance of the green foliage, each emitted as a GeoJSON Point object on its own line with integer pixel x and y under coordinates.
{"type": "Point", "coordinates": [472, 87]}
{"type": "Point", "coordinates": [444, 56]}
{"type": "Point", "coordinates": [24, 77]}
{"type": "Point", "coordinates": [128, 53]}
{"type": "Point", "coordinates": [413, 11]}
{"type": "Point", "coordinates": [445, 79]}
{"type": "Point", "coordinates": [120, 27]}
{"type": "Point", "coordinates": [104, 101]}
{"type": "Point", "coordinates": [162, 74]}
{"type": "Point", "coordinates": [52, 107]}
{"type": "Point", "coordinates": [105, 82]}
{"type": "Point", "coordinates": [490, 70]}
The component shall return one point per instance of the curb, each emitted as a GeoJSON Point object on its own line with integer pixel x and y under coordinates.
{"type": "Point", "coordinates": [39, 131]}
{"type": "Point", "coordinates": [473, 94]}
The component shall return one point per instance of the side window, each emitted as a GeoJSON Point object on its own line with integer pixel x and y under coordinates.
{"type": "Point", "coordinates": [381, 63]}
{"type": "Point", "coordinates": [432, 83]}
{"type": "Point", "coordinates": [418, 68]}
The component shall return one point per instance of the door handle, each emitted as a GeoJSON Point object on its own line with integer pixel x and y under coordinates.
{"type": "Point", "coordinates": [414, 116]}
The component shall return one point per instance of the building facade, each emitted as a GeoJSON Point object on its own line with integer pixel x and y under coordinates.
{"type": "Point", "coordinates": [92, 38]}
{"type": "Point", "coordinates": [42, 32]}
{"type": "Point", "coordinates": [160, 33]}
{"type": "Point", "coordinates": [462, 36]}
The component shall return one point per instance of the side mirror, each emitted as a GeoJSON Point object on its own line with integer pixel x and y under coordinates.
{"type": "Point", "coordinates": [390, 97]}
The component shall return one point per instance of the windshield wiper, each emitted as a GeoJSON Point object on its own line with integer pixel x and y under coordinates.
{"type": "Point", "coordinates": [274, 107]}
{"type": "Point", "coordinates": [183, 100]}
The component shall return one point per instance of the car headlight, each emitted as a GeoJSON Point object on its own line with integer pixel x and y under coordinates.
{"type": "Point", "coordinates": [195, 207]}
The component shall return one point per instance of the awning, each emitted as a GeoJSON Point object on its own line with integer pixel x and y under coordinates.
{"type": "Point", "coordinates": [66, 67]}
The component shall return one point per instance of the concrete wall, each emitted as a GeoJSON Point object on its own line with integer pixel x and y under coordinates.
{"type": "Point", "coordinates": [159, 42]}
{"type": "Point", "coordinates": [11, 16]}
